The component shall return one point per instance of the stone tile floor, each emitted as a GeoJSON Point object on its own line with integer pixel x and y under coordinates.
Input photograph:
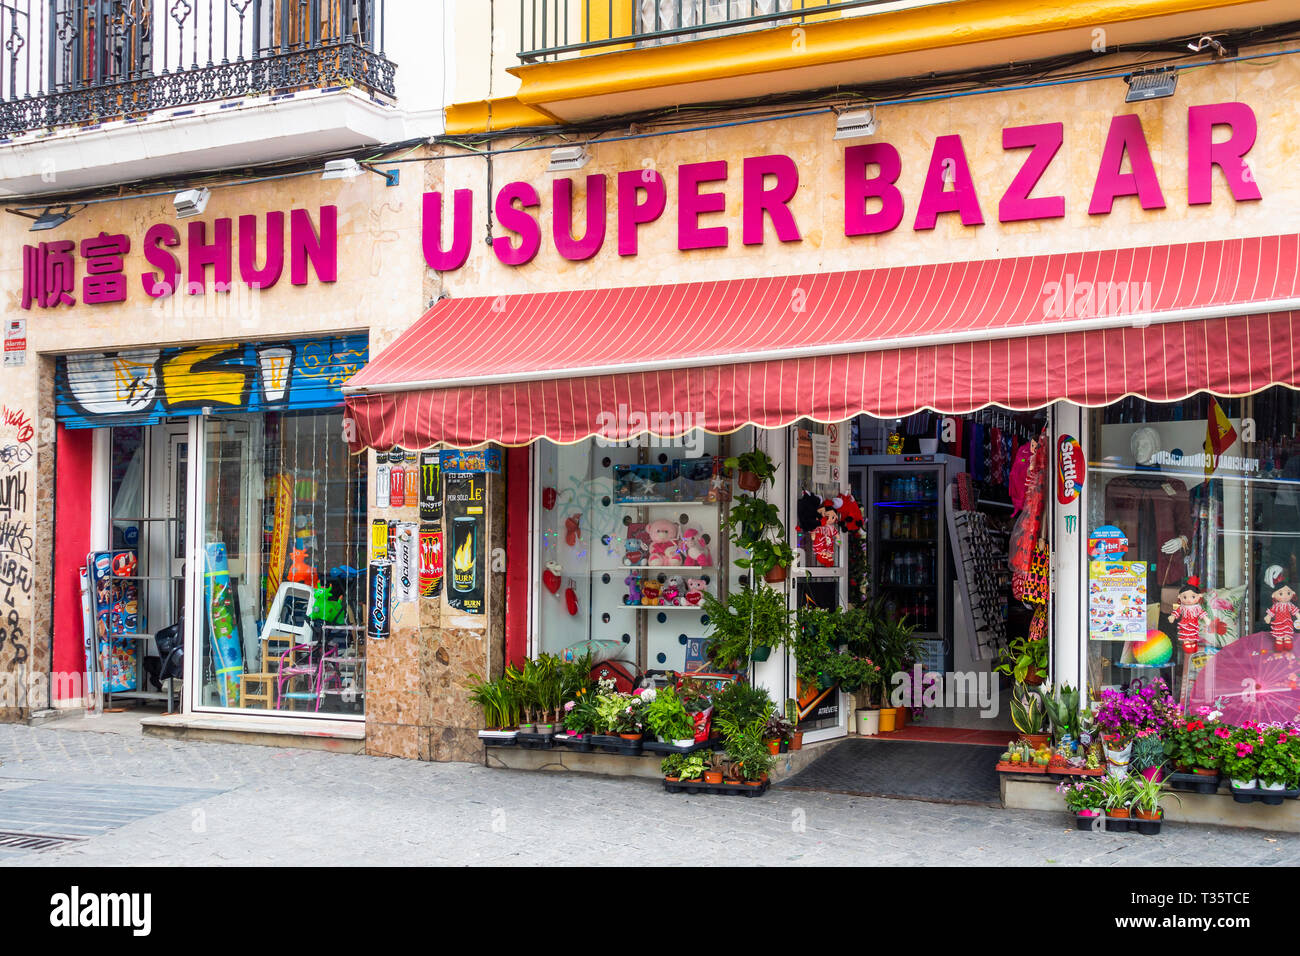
{"type": "Point", "coordinates": [150, 801]}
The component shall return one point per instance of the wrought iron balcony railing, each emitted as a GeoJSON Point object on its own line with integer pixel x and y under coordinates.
{"type": "Point", "coordinates": [555, 29]}
{"type": "Point", "coordinates": [78, 62]}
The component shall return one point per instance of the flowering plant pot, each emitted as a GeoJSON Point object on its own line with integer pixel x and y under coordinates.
{"type": "Point", "coordinates": [713, 776]}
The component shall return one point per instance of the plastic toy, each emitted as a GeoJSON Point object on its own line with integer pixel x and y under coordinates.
{"type": "Point", "coordinates": [300, 572]}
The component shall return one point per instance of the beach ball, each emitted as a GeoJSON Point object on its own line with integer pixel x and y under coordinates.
{"type": "Point", "coordinates": [1157, 649]}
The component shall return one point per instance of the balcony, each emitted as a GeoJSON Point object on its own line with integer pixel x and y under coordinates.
{"type": "Point", "coordinates": [557, 29]}
{"type": "Point", "coordinates": [78, 62]}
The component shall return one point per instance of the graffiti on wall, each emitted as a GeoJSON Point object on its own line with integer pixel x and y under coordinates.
{"type": "Point", "coordinates": [16, 538]}
{"type": "Point", "coordinates": [148, 385]}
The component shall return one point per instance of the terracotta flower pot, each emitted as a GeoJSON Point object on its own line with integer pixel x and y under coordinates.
{"type": "Point", "coordinates": [1117, 812]}
{"type": "Point", "coordinates": [775, 575]}
{"type": "Point", "coordinates": [630, 736]}
{"type": "Point", "coordinates": [1148, 814]}
{"type": "Point", "coordinates": [748, 481]}
{"type": "Point", "coordinates": [773, 746]}
{"type": "Point", "coordinates": [1038, 740]}
{"type": "Point", "coordinates": [713, 776]}
{"type": "Point", "coordinates": [796, 740]}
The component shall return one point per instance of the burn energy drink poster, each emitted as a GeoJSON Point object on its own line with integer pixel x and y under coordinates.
{"type": "Point", "coordinates": [466, 545]}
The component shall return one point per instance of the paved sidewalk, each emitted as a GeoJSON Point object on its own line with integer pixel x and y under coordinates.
{"type": "Point", "coordinates": [181, 802]}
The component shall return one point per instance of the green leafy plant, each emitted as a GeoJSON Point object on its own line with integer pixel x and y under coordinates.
{"type": "Point", "coordinates": [1062, 706]}
{"type": "Point", "coordinates": [1279, 757]}
{"type": "Point", "coordinates": [778, 727]}
{"type": "Point", "coordinates": [1116, 792]}
{"type": "Point", "coordinates": [1080, 795]}
{"type": "Point", "coordinates": [671, 766]}
{"type": "Point", "coordinates": [1028, 714]}
{"type": "Point", "coordinates": [1023, 658]}
{"type": "Point", "coordinates": [747, 752]}
{"type": "Point", "coordinates": [582, 715]}
{"type": "Point", "coordinates": [741, 704]}
{"type": "Point", "coordinates": [1148, 753]}
{"type": "Point", "coordinates": [1240, 761]}
{"type": "Point", "coordinates": [666, 716]}
{"type": "Point", "coordinates": [1193, 743]}
{"type": "Point", "coordinates": [1148, 792]}
{"type": "Point", "coordinates": [755, 462]}
{"type": "Point", "coordinates": [747, 620]}
{"type": "Point", "coordinates": [815, 637]}
{"type": "Point", "coordinates": [692, 766]}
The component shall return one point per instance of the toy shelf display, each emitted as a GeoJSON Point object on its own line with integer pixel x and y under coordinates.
{"type": "Point", "coordinates": [630, 539]}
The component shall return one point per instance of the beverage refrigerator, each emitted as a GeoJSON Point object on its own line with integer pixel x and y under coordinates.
{"type": "Point", "coordinates": [905, 498]}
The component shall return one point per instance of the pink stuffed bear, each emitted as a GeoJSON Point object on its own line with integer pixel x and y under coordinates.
{"type": "Point", "coordinates": [695, 551]}
{"type": "Point", "coordinates": [694, 591]}
{"type": "Point", "coordinates": [663, 543]}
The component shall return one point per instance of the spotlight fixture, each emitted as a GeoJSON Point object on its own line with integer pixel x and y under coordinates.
{"type": "Point", "coordinates": [1151, 84]}
{"type": "Point", "coordinates": [341, 169]}
{"type": "Point", "coordinates": [853, 124]}
{"type": "Point", "coordinates": [351, 169]}
{"type": "Point", "coordinates": [191, 202]}
{"type": "Point", "coordinates": [568, 157]}
{"type": "Point", "coordinates": [50, 218]}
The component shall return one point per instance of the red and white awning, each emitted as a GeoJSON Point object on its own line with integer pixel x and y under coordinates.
{"type": "Point", "coordinates": [1160, 322]}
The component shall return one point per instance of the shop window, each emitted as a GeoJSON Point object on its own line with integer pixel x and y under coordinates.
{"type": "Point", "coordinates": [283, 558]}
{"type": "Point", "coordinates": [629, 536]}
{"type": "Point", "coordinates": [1194, 515]}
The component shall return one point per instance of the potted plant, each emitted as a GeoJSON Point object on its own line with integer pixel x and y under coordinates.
{"type": "Point", "coordinates": [776, 732]}
{"type": "Point", "coordinates": [754, 526]}
{"type": "Point", "coordinates": [1147, 793]}
{"type": "Point", "coordinates": [629, 720]}
{"type": "Point", "coordinates": [1116, 797]}
{"type": "Point", "coordinates": [1194, 744]}
{"type": "Point", "coordinates": [692, 767]}
{"type": "Point", "coordinates": [897, 649]}
{"type": "Point", "coordinates": [752, 468]}
{"type": "Point", "coordinates": [815, 637]}
{"type": "Point", "coordinates": [1029, 715]}
{"type": "Point", "coordinates": [750, 755]}
{"type": "Point", "coordinates": [740, 704]}
{"type": "Point", "coordinates": [713, 772]}
{"type": "Point", "coordinates": [792, 717]}
{"type": "Point", "coordinates": [671, 767]}
{"type": "Point", "coordinates": [666, 716]}
{"type": "Point", "coordinates": [1083, 798]}
{"type": "Point", "coordinates": [1025, 661]}
{"type": "Point", "coordinates": [1278, 765]}
{"type": "Point", "coordinates": [581, 715]}
{"type": "Point", "coordinates": [1062, 706]}
{"type": "Point", "coordinates": [1148, 756]}
{"type": "Point", "coordinates": [748, 624]}
{"type": "Point", "coordinates": [1240, 760]}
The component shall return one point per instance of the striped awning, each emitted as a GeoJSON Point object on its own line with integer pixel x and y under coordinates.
{"type": "Point", "coordinates": [1161, 322]}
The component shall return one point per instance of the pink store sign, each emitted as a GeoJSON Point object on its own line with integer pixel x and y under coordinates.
{"type": "Point", "coordinates": [207, 255]}
{"type": "Point", "coordinates": [873, 202]}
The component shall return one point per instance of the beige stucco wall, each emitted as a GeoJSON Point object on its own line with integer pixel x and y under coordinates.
{"type": "Point", "coordinates": [1268, 86]}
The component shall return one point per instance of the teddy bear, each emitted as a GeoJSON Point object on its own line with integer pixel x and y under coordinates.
{"type": "Point", "coordinates": [695, 550]}
{"type": "Point", "coordinates": [664, 543]}
{"type": "Point", "coordinates": [634, 546]}
{"type": "Point", "coordinates": [673, 590]}
{"type": "Point", "coordinates": [650, 592]}
{"type": "Point", "coordinates": [694, 591]}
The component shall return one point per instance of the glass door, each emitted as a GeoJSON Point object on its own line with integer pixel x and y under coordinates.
{"type": "Point", "coordinates": [906, 527]}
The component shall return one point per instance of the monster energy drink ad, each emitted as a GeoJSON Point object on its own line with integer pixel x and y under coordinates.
{"type": "Point", "coordinates": [430, 486]}
{"type": "Point", "coordinates": [466, 547]}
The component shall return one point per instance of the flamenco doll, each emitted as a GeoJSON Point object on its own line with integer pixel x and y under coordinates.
{"type": "Point", "coordinates": [1188, 613]}
{"type": "Point", "coordinates": [1282, 616]}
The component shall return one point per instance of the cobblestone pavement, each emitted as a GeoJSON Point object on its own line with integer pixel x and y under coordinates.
{"type": "Point", "coordinates": [174, 802]}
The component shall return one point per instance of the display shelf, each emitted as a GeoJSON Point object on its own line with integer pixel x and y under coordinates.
{"type": "Point", "coordinates": [907, 503]}
{"type": "Point", "coordinates": [663, 504]}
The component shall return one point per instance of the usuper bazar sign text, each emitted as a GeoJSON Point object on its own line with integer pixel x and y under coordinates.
{"type": "Point", "coordinates": [1219, 135]}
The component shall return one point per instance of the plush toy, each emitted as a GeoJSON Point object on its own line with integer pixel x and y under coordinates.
{"type": "Point", "coordinates": [650, 593]}
{"type": "Point", "coordinates": [823, 538]}
{"type": "Point", "coordinates": [850, 514]}
{"type": "Point", "coordinates": [695, 549]}
{"type": "Point", "coordinates": [1283, 615]}
{"type": "Point", "coordinates": [573, 530]}
{"type": "Point", "coordinates": [633, 582]}
{"type": "Point", "coordinates": [673, 590]}
{"type": "Point", "coordinates": [1188, 614]}
{"type": "Point", "coordinates": [808, 511]}
{"type": "Point", "coordinates": [664, 544]}
{"type": "Point", "coordinates": [635, 545]}
{"type": "Point", "coordinates": [694, 591]}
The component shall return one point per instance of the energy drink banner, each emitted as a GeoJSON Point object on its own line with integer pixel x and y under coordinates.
{"type": "Point", "coordinates": [465, 549]}
{"type": "Point", "coordinates": [406, 566]}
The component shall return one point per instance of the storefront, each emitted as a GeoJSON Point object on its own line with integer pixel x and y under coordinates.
{"type": "Point", "coordinates": [188, 529]}
{"type": "Point", "coordinates": [1024, 271]}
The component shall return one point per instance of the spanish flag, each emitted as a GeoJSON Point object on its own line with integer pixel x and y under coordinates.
{"type": "Point", "coordinates": [1219, 436]}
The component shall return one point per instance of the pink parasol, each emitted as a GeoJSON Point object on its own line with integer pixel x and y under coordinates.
{"type": "Point", "coordinates": [1250, 680]}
